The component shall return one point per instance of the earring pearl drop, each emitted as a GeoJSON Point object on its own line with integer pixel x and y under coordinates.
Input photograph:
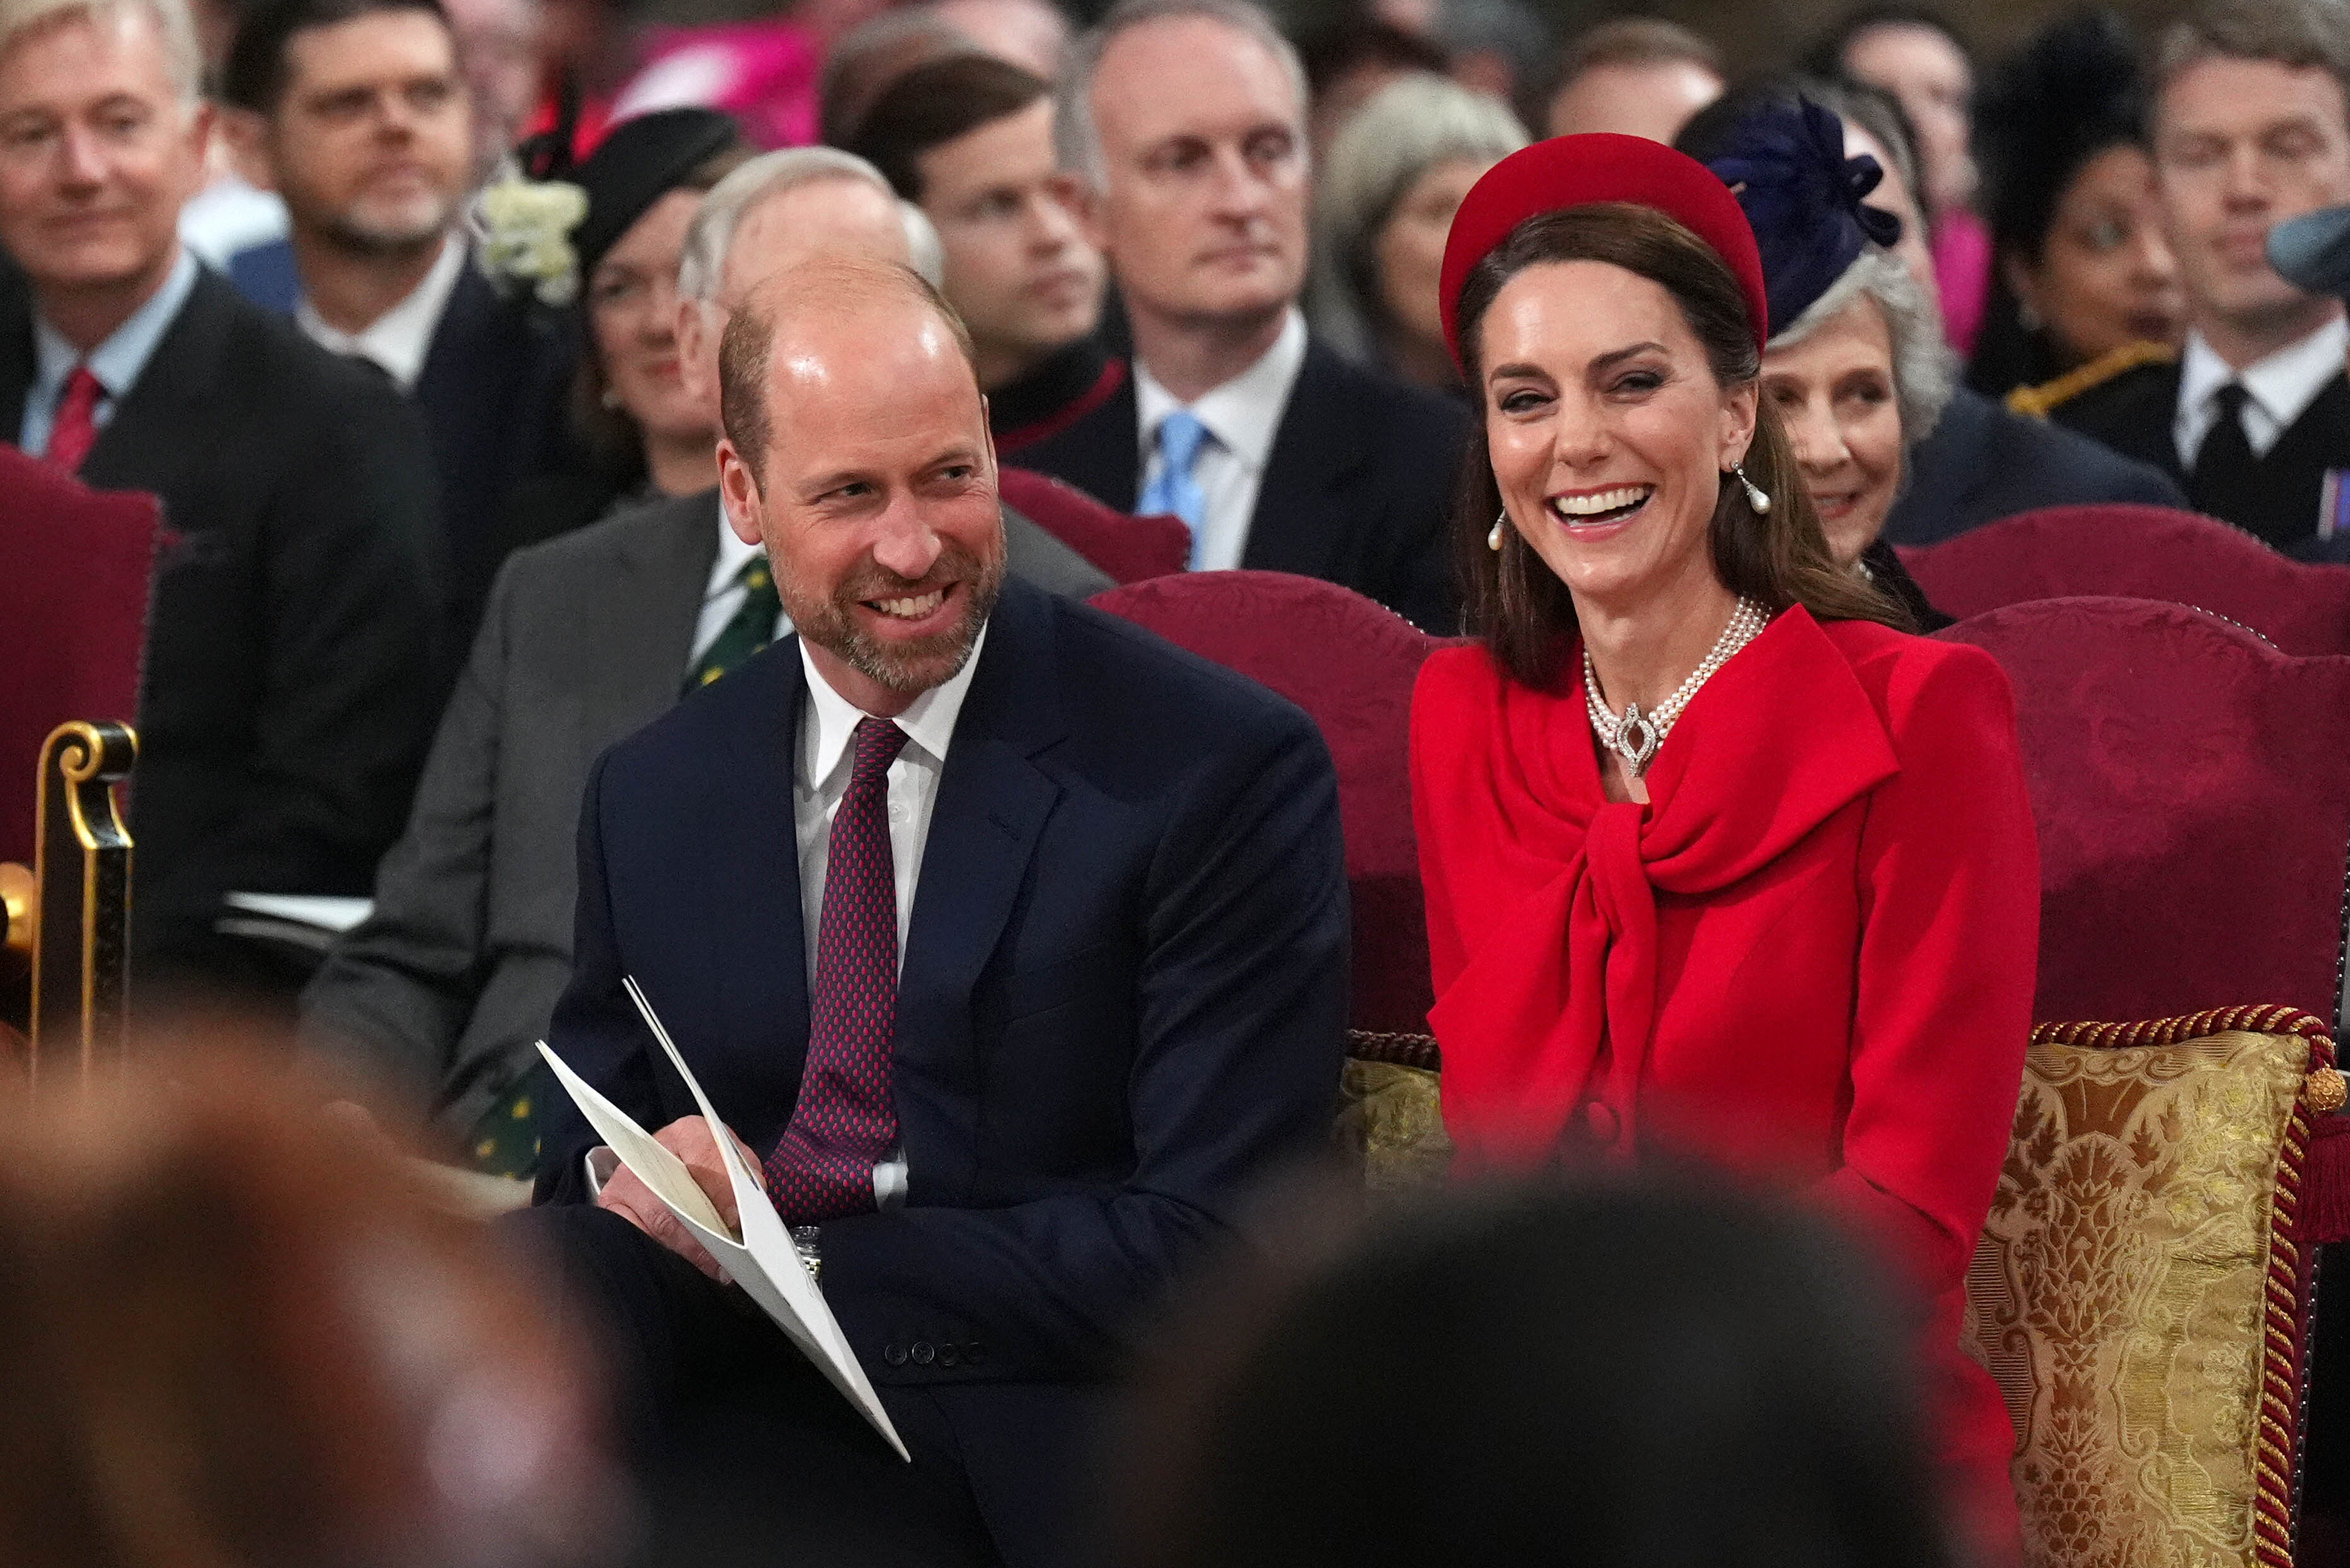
{"type": "Point", "coordinates": [1493, 537]}
{"type": "Point", "coordinates": [1756, 496]}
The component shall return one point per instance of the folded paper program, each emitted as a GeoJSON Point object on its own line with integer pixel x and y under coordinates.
{"type": "Point", "coordinates": [761, 1257]}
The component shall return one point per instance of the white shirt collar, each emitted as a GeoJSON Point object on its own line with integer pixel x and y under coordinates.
{"type": "Point", "coordinates": [2283, 384]}
{"type": "Point", "coordinates": [732, 554]}
{"type": "Point", "coordinates": [1244, 413]}
{"type": "Point", "coordinates": [399, 339]}
{"type": "Point", "coordinates": [928, 721]}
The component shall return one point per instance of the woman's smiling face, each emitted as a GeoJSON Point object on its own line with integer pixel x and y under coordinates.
{"type": "Point", "coordinates": [1608, 433]}
{"type": "Point", "coordinates": [1834, 394]}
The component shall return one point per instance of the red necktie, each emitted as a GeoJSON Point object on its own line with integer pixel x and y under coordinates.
{"type": "Point", "coordinates": [845, 1123]}
{"type": "Point", "coordinates": [76, 430]}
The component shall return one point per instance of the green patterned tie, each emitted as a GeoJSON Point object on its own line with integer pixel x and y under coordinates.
{"type": "Point", "coordinates": [752, 628]}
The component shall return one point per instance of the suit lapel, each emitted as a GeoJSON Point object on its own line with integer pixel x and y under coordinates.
{"type": "Point", "coordinates": [634, 638]}
{"type": "Point", "coordinates": [170, 419]}
{"type": "Point", "coordinates": [16, 352]}
{"type": "Point", "coordinates": [993, 804]}
{"type": "Point", "coordinates": [1300, 519]}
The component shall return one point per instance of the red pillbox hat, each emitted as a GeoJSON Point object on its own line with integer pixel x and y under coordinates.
{"type": "Point", "coordinates": [1578, 171]}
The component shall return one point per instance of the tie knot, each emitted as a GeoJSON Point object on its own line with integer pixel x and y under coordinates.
{"type": "Point", "coordinates": [1180, 436]}
{"type": "Point", "coordinates": [878, 742]}
{"type": "Point", "coordinates": [82, 386]}
{"type": "Point", "coordinates": [2231, 400]}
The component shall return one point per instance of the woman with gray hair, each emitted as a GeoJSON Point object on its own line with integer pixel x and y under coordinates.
{"type": "Point", "coordinates": [1397, 172]}
{"type": "Point", "coordinates": [1856, 367]}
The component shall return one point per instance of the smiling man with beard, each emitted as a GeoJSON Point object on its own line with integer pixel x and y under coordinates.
{"type": "Point", "coordinates": [1010, 940]}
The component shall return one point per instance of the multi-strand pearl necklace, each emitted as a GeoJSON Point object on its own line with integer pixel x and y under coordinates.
{"type": "Point", "coordinates": [1636, 736]}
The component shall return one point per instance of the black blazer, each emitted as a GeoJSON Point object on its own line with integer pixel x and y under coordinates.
{"type": "Point", "coordinates": [1358, 490]}
{"type": "Point", "coordinates": [491, 390]}
{"type": "Point", "coordinates": [1123, 1002]}
{"type": "Point", "coordinates": [2134, 413]}
{"type": "Point", "coordinates": [1984, 461]}
{"type": "Point", "coordinates": [283, 720]}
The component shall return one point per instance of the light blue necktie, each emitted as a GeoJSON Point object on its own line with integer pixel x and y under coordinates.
{"type": "Point", "coordinates": [1180, 437]}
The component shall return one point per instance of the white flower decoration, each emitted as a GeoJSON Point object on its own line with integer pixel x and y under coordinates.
{"type": "Point", "coordinates": [524, 230]}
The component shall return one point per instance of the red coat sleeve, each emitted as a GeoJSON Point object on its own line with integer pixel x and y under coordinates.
{"type": "Point", "coordinates": [1949, 886]}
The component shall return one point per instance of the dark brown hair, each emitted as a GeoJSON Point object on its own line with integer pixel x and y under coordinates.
{"type": "Point", "coordinates": [1514, 601]}
{"type": "Point", "coordinates": [935, 103]}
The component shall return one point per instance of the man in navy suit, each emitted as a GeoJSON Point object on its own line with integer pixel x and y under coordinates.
{"type": "Point", "coordinates": [359, 113]}
{"type": "Point", "coordinates": [1115, 875]}
{"type": "Point", "coordinates": [1184, 123]}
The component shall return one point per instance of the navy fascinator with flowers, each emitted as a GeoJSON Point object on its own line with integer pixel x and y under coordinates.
{"type": "Point", "coordinates": [1785, 162]}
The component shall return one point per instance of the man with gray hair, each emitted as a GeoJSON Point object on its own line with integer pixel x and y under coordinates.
{"type": "Point", "coordinates": [1184, 121]}
{"type": "Point", "coordinates": [290, 648]}
{"type": "Point", "coordinates": [439, 996]}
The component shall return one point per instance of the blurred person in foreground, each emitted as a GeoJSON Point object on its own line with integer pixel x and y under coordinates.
{"type": "Point", "coordinates": [2087, 285]}
{"type": "Point", "coordinates": [237, 1336]}
{"type": "Point", "coordinates": [969, 140]}
{"type": "Point", "coordinates": [1911, 51]}
{"type": "Point", "coordinates": [1856, 368]}
{"type": "Point", "coordinates": [1638, 76]}
{"type": "Point", "coordinates": [356, 112]}
{"type": "Point", "coordinates": [1982, 461]}
{"type": "Point", "coordinates": [1607, 1376]}
{"type": "Point", "coordinates": [637, 434]}
{"type": "Point", "coordinates": [1113, 874]}
{"type": "Point", "coordinates": [291, 649]}
{"type": "Point", "coordinates": [440, 994]}
{"type": "Point", "coordinates": [1384, 204]}
{"type": "Point", "coordinates": [1666, 641]}
{"type": "Point", "coordinates": [2251, 126]}
{"type": "Point", "coordinates": [1185, 122]}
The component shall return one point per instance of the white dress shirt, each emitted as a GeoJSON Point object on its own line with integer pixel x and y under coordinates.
{"type": "Point", "coordinates": [1241, 417]}
{"type": "Point", "coordinates": [398, 340]}
{"type": "Point", "coordinates": [724, 595]}
{"type": "Point", "coordinates": [2279, 388]}
{"type": "Point", "coordinates": [117, 363]}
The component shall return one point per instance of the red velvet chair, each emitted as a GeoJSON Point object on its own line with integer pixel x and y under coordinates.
{"type": "Point", "coordinates": [2192, 786]}
{"type": "Point", "coordinates": [2143, 553]}
{"type": "Point", "coordinates": [1128, 547]}
{"type": "Point", "coordinates": [1351, 664]}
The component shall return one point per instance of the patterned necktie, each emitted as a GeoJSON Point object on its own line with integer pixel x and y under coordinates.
{"type": "Point", "coordinates": [76, 429]}
{"type": "Point", "coordinates": [845, 1123]}
{"type": "Point", "coordinates": [1175, 490]}
{"type": "Point", "coordinates": [751, 628]}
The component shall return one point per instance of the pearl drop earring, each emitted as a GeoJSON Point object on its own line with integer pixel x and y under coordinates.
{"type": "Point", "coordinates": [1493, 538]}
{"type": "Point", "coordinates": [1756, 496]}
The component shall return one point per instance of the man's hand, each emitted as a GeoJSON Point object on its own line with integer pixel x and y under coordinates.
{"type": "Point", "coordinates": [691, 1140]}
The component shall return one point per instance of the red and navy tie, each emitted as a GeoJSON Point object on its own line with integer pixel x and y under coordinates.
{"type": "Point", "coordinates": [845, 1124]}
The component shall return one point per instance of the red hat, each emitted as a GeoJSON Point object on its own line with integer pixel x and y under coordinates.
{"type": "Point", "coordinates": [1600, 166]}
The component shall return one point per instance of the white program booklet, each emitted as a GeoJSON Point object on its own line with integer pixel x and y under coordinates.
{"type": "Point", "coordinates": [762, 1260]}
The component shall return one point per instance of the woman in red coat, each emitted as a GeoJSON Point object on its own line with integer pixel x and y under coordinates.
{"type": "Point", "coordinates": [1720, 860]}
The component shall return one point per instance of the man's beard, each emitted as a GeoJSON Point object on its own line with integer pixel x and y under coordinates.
{"type": "Point", "coordinates": [907, 668]}
{"type": "Point", "coordinates": [353, 234]}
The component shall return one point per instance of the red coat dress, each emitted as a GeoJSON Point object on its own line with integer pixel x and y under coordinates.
{"type": "Point", "coordinates": [1810, 960]}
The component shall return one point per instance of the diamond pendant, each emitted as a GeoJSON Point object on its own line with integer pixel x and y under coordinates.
{"type": "Point", "coordinates": [1636, 739]}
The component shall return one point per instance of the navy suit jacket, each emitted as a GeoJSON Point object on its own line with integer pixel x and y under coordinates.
{"type": "Point", "coordinates": [1358, 487]}
{"type": "Point", "coordinates": [1984, 462]}
{"type": "Point", "coordinates": [1123, 999]}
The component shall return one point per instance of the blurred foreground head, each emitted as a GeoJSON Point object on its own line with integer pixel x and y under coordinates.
{"type": "Point", "coordinates": [235, 1336]}
{"type": "Point", "coordinates": [1603, 1376]}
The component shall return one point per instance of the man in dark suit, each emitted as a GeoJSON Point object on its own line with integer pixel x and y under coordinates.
{"type": "Point", "coordinates": [1184, 120]}
{"type": "Point", "coordinates": [282, 719]}
{"type": "Point", "coordinates": [2251, 126]}
{"type": "Point", "coordinates": [1115, 875]}
{"type": "Point", "coordinates": [357, 111]}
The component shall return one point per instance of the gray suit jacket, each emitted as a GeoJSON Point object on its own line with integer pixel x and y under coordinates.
{"type": "Point", "coordinates": [440, 994]}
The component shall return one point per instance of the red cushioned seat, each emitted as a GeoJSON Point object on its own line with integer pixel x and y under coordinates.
{"type": "Point", "coordinates": [1128, 547]}
{"type": "Point", "coordinates": [2139, 552]}
{"type": "Point", "coordinates": [73, 611]}
{"type": "Point", "coordinates": [1351, 664]}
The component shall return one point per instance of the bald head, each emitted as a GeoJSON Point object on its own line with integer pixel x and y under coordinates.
{"type": "Point", "coordinates": [837, 217]}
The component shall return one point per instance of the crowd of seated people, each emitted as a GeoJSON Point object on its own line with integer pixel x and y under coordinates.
{"type": "Point", "coordinates": [578, 442]}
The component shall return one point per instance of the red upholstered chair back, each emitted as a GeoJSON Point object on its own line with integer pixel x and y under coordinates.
{"type": "Point", "coordinates": [1351, 664]}
{"type": "Point", "coordinates": [75, 565]}
{"type": "Point", "coordinates": [1128, 547]}
{"type": "Point", "coordinates": [2140, 553]}
{"type": "Point", "coordinates": [2192, 786]}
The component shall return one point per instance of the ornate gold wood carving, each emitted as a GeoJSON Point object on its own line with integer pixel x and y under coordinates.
{"type": "Point", "coordinates": [82, 874]}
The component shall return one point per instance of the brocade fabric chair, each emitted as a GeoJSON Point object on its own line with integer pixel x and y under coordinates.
{"type": "Point", "coordinates": [2139, 552]}
{"type": "Point", "coordinates": [1351, 664]}
{"type": "Point", "coordinates": [1128, 547]}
